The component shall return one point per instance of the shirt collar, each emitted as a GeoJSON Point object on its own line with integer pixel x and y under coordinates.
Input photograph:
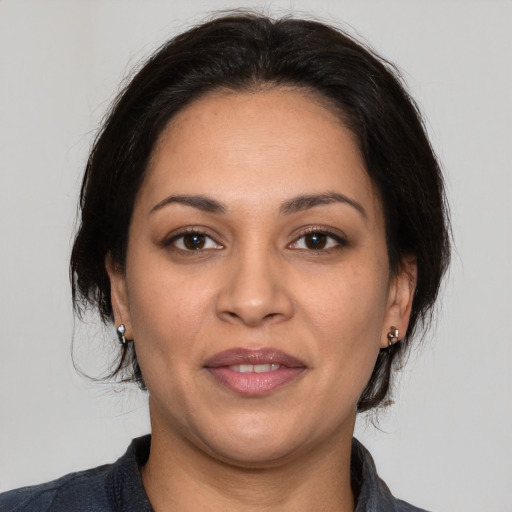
{"type": "Point", "coordinates": [372, 494]}
{"type": "Point", "coordinates": [127, 493]}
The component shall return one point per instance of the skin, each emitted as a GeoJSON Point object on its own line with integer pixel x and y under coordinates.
{"type": "Point", "coordinates": [256, 283]}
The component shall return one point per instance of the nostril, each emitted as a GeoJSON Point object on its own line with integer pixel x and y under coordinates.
{"type": "Point", "coordinates": [253, 298]}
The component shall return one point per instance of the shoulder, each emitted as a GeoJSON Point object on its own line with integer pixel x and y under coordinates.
{"type": "Point", "coordinates": [403, 506]}
{"type": "Point", "coordinates": [372, 493]}
{"type": "Point", "coordinates": [107, 488]}
{"type": "Point", "coordinates": [81, 492]}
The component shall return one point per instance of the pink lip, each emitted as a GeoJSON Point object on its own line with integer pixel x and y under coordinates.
{"type": "Point", "coordinates": [254, 384]}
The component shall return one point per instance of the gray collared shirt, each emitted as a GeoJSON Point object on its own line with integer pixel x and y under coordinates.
{"type": "Point", "coordinates": [118, 487]}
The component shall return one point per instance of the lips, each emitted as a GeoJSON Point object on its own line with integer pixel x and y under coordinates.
{"type": "Point", "coordinates": [254, 372]}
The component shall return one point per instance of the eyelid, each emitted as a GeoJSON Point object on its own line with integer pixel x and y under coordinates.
{"type": "Point", "coordinates": [191, 230]}
{"type": "Point", "coordinates": [335, 234]}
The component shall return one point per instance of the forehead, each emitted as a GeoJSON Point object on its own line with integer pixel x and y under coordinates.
{"type": "Point", "coordinates": [240, 146]}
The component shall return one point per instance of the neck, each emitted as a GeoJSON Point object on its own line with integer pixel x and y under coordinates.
{"type": "Point", "coordinates": [181, 476]}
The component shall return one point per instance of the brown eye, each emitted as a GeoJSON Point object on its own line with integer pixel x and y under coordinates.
{"type": "Point", "coordinates": [318, 241]}
{"type": "Point", "coordinates": [194, 241]}
{"type": "Point", "coordinates": [315, 241]}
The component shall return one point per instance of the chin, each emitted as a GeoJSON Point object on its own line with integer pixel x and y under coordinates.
{"type": "Point", "coordinates": [245, 440]}
{"type": "Point", "coordinates": [257, 442]}
{"type": "Point", "coordinates": [256, 453]}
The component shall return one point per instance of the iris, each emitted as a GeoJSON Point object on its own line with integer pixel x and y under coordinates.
{"type": "Point", "coordinates": [194, 241]}
{"type": "Point", "coordinates": [315, 241]}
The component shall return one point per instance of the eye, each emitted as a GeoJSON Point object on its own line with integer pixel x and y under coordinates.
{"type": "Point", "coordinates": [194, 241]}
{"type": "Point", "coordinates": [317, 241]}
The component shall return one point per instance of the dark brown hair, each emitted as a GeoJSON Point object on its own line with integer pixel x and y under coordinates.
{"type": "Point", "coordinates": [241, 52]}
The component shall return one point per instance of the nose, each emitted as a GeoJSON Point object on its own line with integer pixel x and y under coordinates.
{"type": "Point", "coordinates": [254, 291]}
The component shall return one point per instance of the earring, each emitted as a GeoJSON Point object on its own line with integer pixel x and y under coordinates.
{"type": "Point", "coordinates": [120, 334]}
{"type": "Point", "coordinates": [392, 335]}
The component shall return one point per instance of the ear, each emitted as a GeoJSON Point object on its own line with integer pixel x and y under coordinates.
{"type": "Point", "coordinates": [119, 296]}
{"type": "Point", "coordinates": [400, 297]}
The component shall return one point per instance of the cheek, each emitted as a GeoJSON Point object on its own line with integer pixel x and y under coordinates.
{"type": "Point", "coordinates": [168, 317]}
{"type": "Point", "coordinates": [164, 307]}
{"type": "Point", "coordinates": [168, 310]}
{"type": "Point", "coordinates": [354, 298]}
{"type": "Point", "coordinates": [347, 313]}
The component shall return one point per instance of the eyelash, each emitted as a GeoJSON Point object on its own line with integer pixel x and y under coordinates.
{"type": "Point", "coordinates": [191, 231]}
{"type": "Point", "coordinates": [339, 241]}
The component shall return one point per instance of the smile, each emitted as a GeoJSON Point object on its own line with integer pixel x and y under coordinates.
{"type": "Point", "coordinates": [254, 372]}
{"type": "Point", "coordinates": [254, 368]}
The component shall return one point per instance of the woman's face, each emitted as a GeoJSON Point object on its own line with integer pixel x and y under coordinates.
{"type": "Point", "coordinates": [257, 286]}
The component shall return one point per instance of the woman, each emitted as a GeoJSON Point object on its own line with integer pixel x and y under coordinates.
{"type": "Point", "coordinates": [263, 220]}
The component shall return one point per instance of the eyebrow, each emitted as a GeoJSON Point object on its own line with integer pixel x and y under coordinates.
{"type": "Point", "coordinates": [199, 202]}
{"type": "Point", "coordinates": [293, 205]}
{"type": "Point", "coordinates": [305, 202]}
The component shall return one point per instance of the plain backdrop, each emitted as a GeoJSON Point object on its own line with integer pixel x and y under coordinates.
{"type": "Point", "coordinates": [446, 444]}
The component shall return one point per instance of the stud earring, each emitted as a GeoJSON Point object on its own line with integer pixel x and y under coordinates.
{"type": "Point", "coordinates": [120, 334]}
{"type": "Point", "coordinates": [392, 335]}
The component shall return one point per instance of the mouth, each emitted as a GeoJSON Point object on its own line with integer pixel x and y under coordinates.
{"type": "Point", "coordinates": [254, 372]}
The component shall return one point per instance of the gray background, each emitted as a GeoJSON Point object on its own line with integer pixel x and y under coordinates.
{"type": "Point", "coordinates": [447, 444]}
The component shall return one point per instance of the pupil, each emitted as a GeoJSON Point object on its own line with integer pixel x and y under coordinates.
{"type": "Point", "coordinates": [316, 241]}
{"type": "Point", "coordinates": [194, 241]}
